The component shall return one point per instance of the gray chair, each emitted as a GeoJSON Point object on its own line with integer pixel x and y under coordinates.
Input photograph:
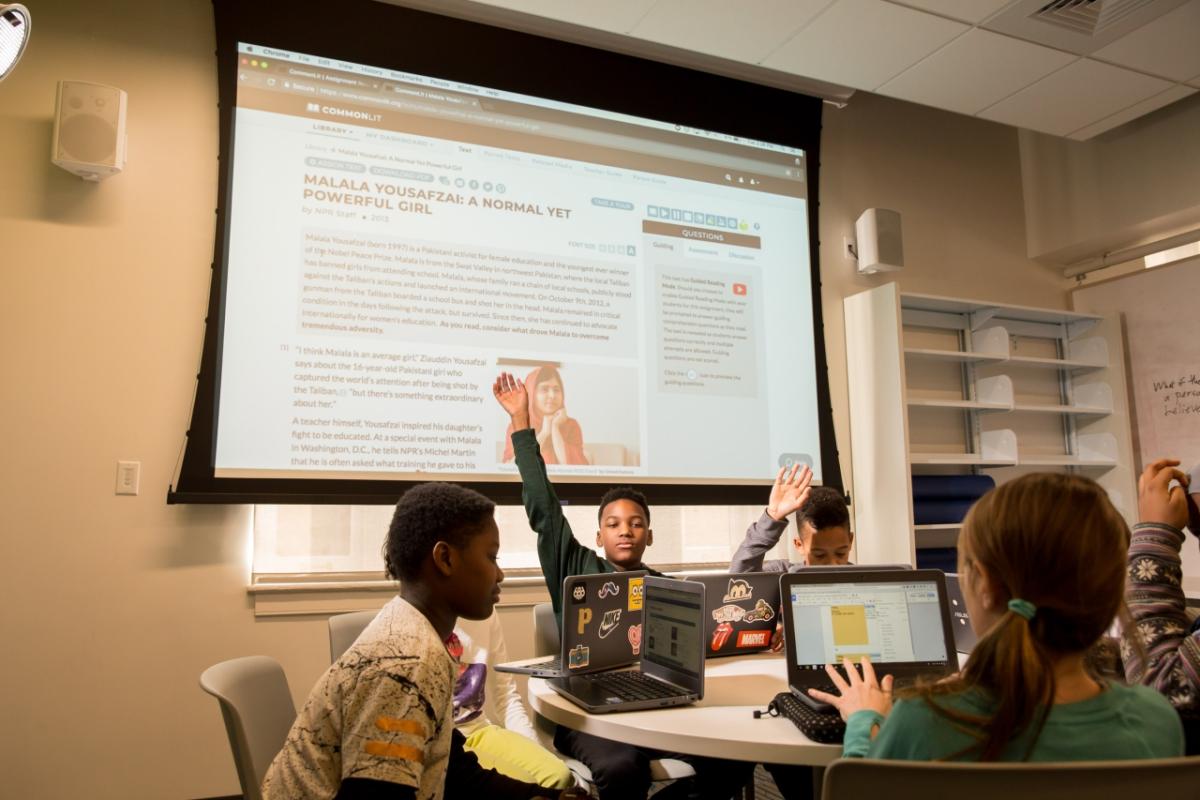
{"type": "Point", "coordinates": [855, 778]}
{"type": "Point", "coordinates": [258, 710]}
{"type": "Point", "coordinates": [344, 629]}
{"type": "Point", "coordinates": [546, 642]}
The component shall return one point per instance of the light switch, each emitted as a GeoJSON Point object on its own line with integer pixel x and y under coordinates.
{"type": "Point", "coordinates": [128, 474]}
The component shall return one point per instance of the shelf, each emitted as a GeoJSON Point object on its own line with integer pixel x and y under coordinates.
{"type": "Point", "coordinates": [1053, 363]}
{"type": "Point", "coordinates": [1079, 411]}
{"type": "Point", "coordinates": [968, 405]}
{"type": "Point", "coordinates": [952, 355]}
{"type": "Point", "coordinates": [1065, 461]}
{"type": "Point", "coordinates": [960, 460]}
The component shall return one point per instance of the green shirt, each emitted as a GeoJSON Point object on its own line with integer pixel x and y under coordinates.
{"type": "Point", "coordinates": [560, 554]}
{"type": "Point", "coordinates": [1122, 722]}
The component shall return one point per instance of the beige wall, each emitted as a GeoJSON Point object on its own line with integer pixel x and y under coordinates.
{"type": "Point", "coordinates": [1137, 183]}
{"type": "Point", "coordinates": [112, 606]}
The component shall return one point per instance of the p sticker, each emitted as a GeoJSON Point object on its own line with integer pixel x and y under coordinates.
{"type": "Point", "coordinates": [635, 595]}
{"type": "Point", "coordinates": [585, 616]}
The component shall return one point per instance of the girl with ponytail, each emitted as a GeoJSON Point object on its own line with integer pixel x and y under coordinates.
{"type": "Point", "coordinates": [1042, 566]}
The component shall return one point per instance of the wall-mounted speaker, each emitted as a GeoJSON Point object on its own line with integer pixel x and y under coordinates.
{"type": "Point", "coordinates": [89, 129]}
{"type": "Point", "coordinates": [880, 246]}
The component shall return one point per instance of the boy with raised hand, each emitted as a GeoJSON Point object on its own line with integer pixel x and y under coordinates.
{"type": "Point", "coordinates": [380, 721]}
{"type": "Point", "coordinates": [823, 535]}
{"type": "Point", "coordinates": [620, 771]}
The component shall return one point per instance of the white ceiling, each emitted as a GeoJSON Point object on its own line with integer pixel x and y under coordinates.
{"type": "Point", "coordinates": [969, 56]}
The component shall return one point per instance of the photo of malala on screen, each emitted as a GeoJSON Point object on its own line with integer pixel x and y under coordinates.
{"type": "Point", "coordinates": [582, 414]}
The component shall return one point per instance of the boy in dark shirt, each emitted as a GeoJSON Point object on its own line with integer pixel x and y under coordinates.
{"type": "Point", "coordinates": [620, 771]}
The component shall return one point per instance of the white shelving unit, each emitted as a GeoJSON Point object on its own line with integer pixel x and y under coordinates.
{"type": "Point", "coordinates": [940, 385]}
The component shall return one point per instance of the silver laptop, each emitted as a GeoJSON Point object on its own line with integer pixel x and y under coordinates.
{"type": "Point", "coordinates": [964, 634]}
{"type": "Point", "coordinates": [672, 667]}
{"type": "Point", "coordinates": [601, 627]}
{"type": "Point", "coordinates": [900, 619]}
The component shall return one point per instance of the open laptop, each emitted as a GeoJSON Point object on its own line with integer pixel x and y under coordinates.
{"type": "Point", "coordinates": [601, 626]}
{"type": "Point", "coordinates": [964, 634]}
{"type": "Point", "coordinates": [740, 612]}
{"type": "Point", "coordinates": [899, 618]}
{"type": "Point", "coordinates": [672, 667]}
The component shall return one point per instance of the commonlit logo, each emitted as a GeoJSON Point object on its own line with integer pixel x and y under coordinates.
{"type": "Point", "coordinates": [314, 107]}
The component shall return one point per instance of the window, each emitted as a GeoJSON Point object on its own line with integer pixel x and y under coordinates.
{"type": "Point", "coordinates": [315, 540]}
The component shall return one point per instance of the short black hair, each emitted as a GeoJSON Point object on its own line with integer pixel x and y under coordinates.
{"type": "Point", "coordinates": [622, 493]}
{"type": "Point", "coordinates": [826, 508]}
{"type": "Point", "coordinates": [429, 513]}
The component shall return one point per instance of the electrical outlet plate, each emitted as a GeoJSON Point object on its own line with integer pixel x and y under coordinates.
{"type": "Point", "coordinates": [128, 476]}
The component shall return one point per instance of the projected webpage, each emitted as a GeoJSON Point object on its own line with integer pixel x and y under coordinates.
{"type": "Point", "coordinates": [888, 623]}
{"type": "Point", "coordinates": [396, 240]}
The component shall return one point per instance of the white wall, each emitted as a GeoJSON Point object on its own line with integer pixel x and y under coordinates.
{"type": "Point", "coordinates": [112, 606]}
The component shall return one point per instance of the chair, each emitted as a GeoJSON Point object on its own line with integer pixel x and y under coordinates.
{"type": "Point", "coordinates": [854, 778]}
{"type": "Point", "coordinates": [344, 629]}
{"type": "Point", "coordinates": [258, 710]}
{"type": "Point", "coordinates": [546, 642]}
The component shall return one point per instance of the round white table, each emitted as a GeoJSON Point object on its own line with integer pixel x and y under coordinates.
{"type": "Point", "coordinates": [722, 725]}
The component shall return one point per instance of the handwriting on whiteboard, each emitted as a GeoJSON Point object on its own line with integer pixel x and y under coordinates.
{"type": "Point", "coordinates": [1178, 396]}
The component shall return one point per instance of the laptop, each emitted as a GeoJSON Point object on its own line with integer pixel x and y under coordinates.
{"type": "Point", "coordinates": [671, 672]}
{"type": "Point", "coordinates": [601, 627]}
{"type": "Point", "coordinates": [964, 634]}
{"type": "Point", "coordinates": [899, 618]}
{"type": "Point", "coordinates": [740, 612]}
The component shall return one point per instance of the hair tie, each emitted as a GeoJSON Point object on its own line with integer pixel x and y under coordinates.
{"type": "Point", "coordinates": [1022, 608]}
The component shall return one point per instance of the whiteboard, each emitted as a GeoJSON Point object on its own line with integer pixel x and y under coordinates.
{"type": "Point", "coordinates": [1161, 313]}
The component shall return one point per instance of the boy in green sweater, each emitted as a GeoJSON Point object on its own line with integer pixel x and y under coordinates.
{"type": "Point", "coordinates": [620, 771]}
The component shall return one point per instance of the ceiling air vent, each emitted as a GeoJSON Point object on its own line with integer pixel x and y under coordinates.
{"type": "Point", "coordinates": [1088, 17]}
{"type": "Point", "coordinates": [1077, 26]}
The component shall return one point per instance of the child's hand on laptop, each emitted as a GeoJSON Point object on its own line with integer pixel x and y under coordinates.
{"type": "Point", "coordinates": [777, 638]}
{"type": "Point", "coordinates": [859, 692]}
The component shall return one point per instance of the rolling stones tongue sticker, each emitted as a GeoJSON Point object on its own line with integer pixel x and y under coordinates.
{"type": "Point", "coordinates": [721, 635]}
{"type": "Point", "coordinates": [635, 638]}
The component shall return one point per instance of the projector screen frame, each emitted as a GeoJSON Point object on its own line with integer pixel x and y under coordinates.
{"type": "Point", "coordinates": [630, 85]}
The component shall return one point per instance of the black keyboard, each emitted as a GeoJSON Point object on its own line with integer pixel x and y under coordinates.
{"type": "Point", "coordinates": [826, 728]}
{"type": "Point", "coordinates": [634, 686]}
{"type": "Point", "coordinates": [554, 664]}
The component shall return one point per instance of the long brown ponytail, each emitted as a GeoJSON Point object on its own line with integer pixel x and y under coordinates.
{"type": "Point", "coordinates": [1056, 542]}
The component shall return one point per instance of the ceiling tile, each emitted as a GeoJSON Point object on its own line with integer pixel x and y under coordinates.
{"type": "Point", "coordinates": [974, 71]}
{"type": "Point", "coordinates": [1133, 112]}
{"type": "Point", "coordinates": [1168, 46]}
{"type": "Point", "coordinates": [1077, 95]}
{"type": "Point", "coordinates": [863, 43]}
{"type": "Point", "coordinates": [972, 11]}
{"type": "Point", "coordinates": [728, 30]}
{"type": "Point", "coordinates": [617, 16]}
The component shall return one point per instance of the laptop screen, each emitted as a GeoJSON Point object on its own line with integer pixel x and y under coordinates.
{"type": "Point", "coordinates": [893, 622]}
{"type": "Point", "coordinates": [674, 627]}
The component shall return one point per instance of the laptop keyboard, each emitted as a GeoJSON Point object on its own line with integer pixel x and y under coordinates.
{"type": "Point", "coordinates": [555, 664]}
{"type": "Point", "coordinates": [634, 686]}
{"type": "Point", "coordinates": [826, 728]}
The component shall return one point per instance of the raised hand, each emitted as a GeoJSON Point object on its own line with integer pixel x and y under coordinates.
{"type": "Point", "coordinates": [790, 491]}
{"type": "Point", "coordinates": [1158, 501]}
{"type": "Point", "coordinates": [511, 395]}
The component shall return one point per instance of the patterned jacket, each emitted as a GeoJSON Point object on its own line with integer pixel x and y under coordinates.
{"type": "Point", "coordinates": [1155, 598]}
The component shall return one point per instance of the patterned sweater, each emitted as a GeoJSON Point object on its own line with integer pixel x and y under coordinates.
{"type": "Point", "coordinates": [1155, 599]}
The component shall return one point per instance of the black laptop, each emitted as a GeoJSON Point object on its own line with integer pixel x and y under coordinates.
{"type": "Point", "coordinates": [740, 612]}
{"type": "Point", "coordinates": [672, 667]}
{"type": "Point", "coordinates": [964, 634]}
{"type": "Point", "coordinates": [601, 627]}
{"type": "Point", "coordinates": [900, 619]}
